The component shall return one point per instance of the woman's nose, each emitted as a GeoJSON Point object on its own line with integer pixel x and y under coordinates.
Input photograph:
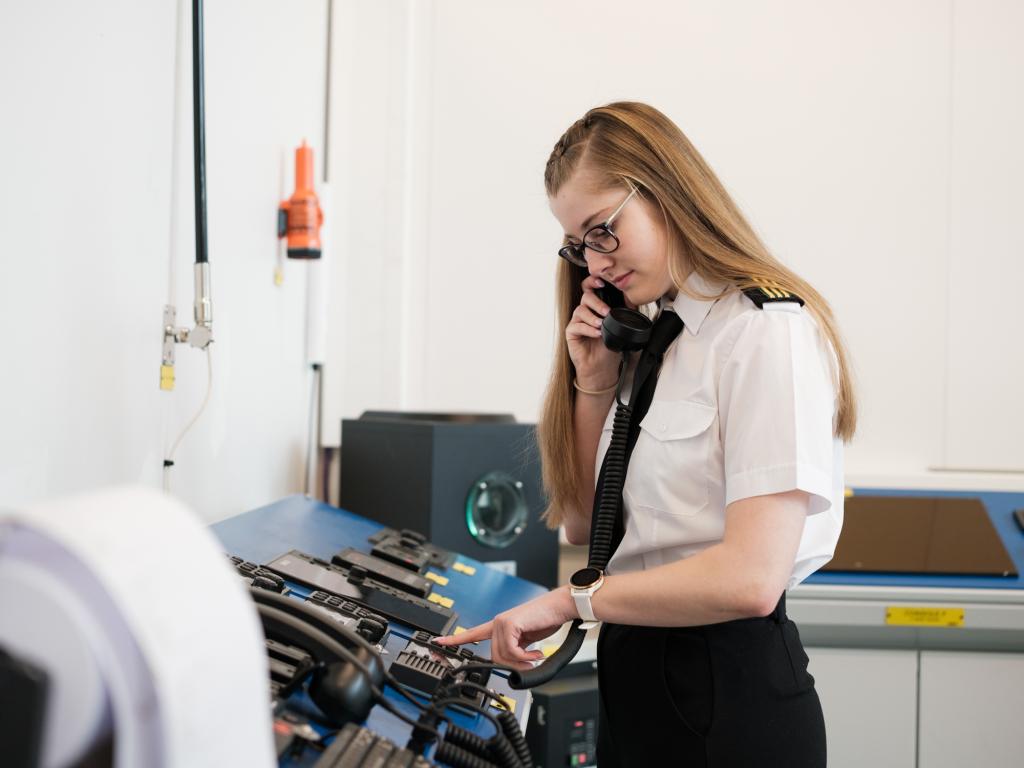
{"type": "Point", "coordinates": [597, 262]}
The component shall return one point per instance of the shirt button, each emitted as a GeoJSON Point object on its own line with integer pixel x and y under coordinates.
{"type": "Point", "coordinates": [662, 427]}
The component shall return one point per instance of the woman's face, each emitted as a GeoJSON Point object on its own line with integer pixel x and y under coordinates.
{"type": "Point", "coordinates": [639, 266]}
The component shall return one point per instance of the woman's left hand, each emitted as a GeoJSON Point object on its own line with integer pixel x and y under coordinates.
{"type": "Point", "coordinates": [511, 631]}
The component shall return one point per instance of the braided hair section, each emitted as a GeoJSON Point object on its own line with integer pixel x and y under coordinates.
{"type": "Point", "coordinates": [566, 154]}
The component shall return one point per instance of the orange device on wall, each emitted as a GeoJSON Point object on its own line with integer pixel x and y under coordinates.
{"type": "Point", "coordinates": [300, 218]}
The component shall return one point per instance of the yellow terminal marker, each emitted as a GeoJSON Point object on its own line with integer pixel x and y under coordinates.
{"type": "Point", "coordinates": [445, 602]}
{"type": "Point", "coordinates": [166, 377]}
{"type": "Point", "coordinates": [437, 578]}
{"type": "Point", "coordinates": [510, 704]}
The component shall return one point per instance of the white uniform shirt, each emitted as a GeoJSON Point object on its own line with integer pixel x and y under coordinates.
{"type": "Point", "coordinates": [744, 407]}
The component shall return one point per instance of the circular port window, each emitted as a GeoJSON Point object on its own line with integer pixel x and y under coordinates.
{"type": "Point", "coordinates": [496, 511]}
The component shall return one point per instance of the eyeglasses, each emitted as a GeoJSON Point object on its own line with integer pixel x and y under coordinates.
{"type": "Point", "coordinates": [599, 237]}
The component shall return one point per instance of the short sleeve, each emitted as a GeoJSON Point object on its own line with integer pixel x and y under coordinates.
{"type": "Point", "coordinates": [776, 407]}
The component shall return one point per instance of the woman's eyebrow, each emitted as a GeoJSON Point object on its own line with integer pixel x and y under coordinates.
{"type": "Point", "coordinates": [586, 224]}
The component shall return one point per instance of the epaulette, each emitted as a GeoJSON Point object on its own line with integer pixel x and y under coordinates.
{"type": "Point", "coordinates": [766, 292]}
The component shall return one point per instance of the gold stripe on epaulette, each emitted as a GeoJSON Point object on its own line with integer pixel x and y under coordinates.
{"type": "Point", "coordinates": [772, 289]}
{"type": "Point", "coordinates": [766, 288]}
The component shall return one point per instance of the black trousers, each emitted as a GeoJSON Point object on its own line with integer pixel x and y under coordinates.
{"type": "Point", "coordinates": [728, 695]}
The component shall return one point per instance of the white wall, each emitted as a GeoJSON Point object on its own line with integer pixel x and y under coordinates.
{"type": "Point", "coordinates": [85, 197]}
{"type": "Point", "coordinates": [866, 142]}
{"type": "Point", "coordinates": [874, 145]}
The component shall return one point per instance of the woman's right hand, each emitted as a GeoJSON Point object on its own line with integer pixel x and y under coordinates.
{"type": "Point", "coordinates": [597, 367]}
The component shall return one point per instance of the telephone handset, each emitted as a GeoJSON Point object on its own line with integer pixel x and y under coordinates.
{"type": "Point", "coordinates": [623, 329]}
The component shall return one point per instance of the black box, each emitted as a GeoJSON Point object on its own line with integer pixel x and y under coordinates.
{"type": "Point", "coordinates": [562, 730]}
{"type": "Point", "coordinates": [468, 482]}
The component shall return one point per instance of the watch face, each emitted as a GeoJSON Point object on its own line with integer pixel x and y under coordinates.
{"type": "Point", "coordinates": [585, 577]}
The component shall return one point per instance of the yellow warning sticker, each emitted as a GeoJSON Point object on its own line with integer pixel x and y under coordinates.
{"type": "Point", "coordinates": [510, 704]}
{"type": "Point", "coordinates": [445, 602]}
{"type": "Point", "coordinates": [469, 570]}
{"type": "Point", "coordinates": [459, 630]}
{"type": "Point", "coordinates": [437, 578]}
{"type": "Point", "coordinates": [923, 616]}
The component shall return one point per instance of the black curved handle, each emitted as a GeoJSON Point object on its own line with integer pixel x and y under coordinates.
{"type": "Point", "coordinates": [553, 664]}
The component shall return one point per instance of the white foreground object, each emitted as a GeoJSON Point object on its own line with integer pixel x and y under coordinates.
{"type": "Point", "coordinates": [128, 602]}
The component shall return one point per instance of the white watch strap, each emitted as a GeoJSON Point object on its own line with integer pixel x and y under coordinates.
{"type": "Point", "coordinates": [582, 600]}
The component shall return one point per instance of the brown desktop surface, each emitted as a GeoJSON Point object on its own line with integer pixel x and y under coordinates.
{"type": "Point", "coordinates": [904, 534]}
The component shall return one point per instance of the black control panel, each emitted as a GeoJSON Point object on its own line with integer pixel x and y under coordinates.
{"type": "Point", "coordinates": [422, 664]}
{"type": "Point", "coordinates": [358, 747]}
{"type": "Point", "coordinates": [384, 571]}
{"type": "Point", "coordinates": [258, 576]}
{"type": "Point", "coordinates": [288, 665]}
{"type": "Point", "coordinates": [369, 625]}
{"type": "Point", "coordinates": [563, 722]}
{"type": "Point", "coordinates": [409, 549]}
{"type": "Point", "coordinates": [361, 589]}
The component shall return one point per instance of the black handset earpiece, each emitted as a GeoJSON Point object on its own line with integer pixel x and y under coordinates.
{"type": "Point", "coordinates": [623, 330]}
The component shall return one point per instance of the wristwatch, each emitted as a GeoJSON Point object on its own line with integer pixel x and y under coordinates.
{"type": "Point", "coordinates": [583, 584]}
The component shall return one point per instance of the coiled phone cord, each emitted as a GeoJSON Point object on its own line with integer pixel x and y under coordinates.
{"type": "Point", "coordinates": [615, 465]}
{"type": "Point", "coordinates": [460, 758]}
{"type": "Point", "coordinates": [497, 749]}
{"type": "Point", "coordinates": [601, 534]}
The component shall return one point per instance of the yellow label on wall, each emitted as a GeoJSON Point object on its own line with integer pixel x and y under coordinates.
{"type": "Point", "coordinates": [445, 602]}
{"type": "Point", "coordinates": [923, 616]}
{"type": "Point", "coordinates": [437, 578]}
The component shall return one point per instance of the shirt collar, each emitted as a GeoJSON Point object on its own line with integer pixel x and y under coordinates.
{"type": "Point", "coordinates": [691, 310]}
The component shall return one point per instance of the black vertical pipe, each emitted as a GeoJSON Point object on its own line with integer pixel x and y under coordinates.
{"type": "Point", "coordinates": [199, 130]}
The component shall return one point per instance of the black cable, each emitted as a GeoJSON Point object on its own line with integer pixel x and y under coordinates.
{"type": "Point", "coordinates": [489, 666]}
{"type": "Point", "coordinates": [468, 740]}
{"type": "Point", "coordinates": [506, 720]}
{"type": "Point", "coordinates": [459, 757]}
{"type": "Point", "coordinates": [441, 703]}
{"type": "Point", "coordinates": [390, 707]}
{"type": "Point", "coordinates": [515, 735]}
{"type": "Point", "coordinates": [199, 131]}
{"type": "Point", "coordinates": [270, 614]}
{"type": "Point", "coordinates": [496, 697]}
{"type": "Point", "coordinates": [401, 688]}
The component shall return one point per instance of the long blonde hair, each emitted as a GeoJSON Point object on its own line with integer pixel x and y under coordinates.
{"type": "Point", "coordinates": [629, 142]}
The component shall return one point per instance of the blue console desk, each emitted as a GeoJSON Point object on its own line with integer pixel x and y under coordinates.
{"type": "Point", "coordinates": [321, 530]}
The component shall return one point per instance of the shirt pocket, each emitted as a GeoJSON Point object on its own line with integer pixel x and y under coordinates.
{"type": "Point", "coordinates": [668, 471]}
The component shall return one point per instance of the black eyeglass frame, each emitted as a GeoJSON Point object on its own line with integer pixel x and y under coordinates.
{"type": "Point", "coordinates": [576, 254]}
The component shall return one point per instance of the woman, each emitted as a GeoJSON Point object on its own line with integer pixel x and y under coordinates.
{"type": "Point", "coordinates": [734, 490]}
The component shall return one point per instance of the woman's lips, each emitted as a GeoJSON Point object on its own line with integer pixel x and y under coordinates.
{"type": "Point", "coordinates": [622, 281]}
